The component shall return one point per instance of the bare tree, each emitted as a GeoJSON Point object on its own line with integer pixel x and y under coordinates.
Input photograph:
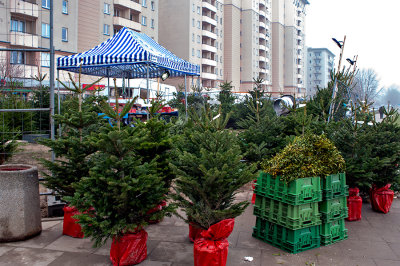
{"type": "Point", "coordinates": [366, 86]}
{"type": "Point", "coordinates": [391, 96]}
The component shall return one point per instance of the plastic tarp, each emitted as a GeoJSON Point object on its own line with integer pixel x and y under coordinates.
{"type": "Point", "coordinates": [70, 225]}
{"type": "Point", "coordinates": [211, 249]}
{"type": "Point", "coordinates": [381, 198]}
{"type": "Point", "coordinates": [354, 205]}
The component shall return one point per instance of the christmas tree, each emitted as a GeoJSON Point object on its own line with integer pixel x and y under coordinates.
{"type": "Point", "coordinates": [209, 171]}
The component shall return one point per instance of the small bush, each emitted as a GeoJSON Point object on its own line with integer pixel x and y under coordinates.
{"type": "Point", "coordinates": [306, 156]}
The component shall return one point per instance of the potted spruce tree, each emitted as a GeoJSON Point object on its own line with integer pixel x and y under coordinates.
{"type": "Point", "coordinates": [209, 173]}
{"type": "Point", "coordinates": [114, 199]}
{"type": "Point", "coordinates": [72, 150]}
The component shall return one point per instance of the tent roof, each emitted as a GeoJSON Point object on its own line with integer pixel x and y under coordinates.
{"type": "Point", "coordinates": [128, 54]}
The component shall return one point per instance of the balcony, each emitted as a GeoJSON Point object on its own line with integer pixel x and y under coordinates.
{"type": "Point", "coordinates": [211, 76]}
{"type": "Point", "coordinates": [209, 7]}
{"type": "Point", "coordinates": [209, 34]}
{"type": "Point", "coordinates": [262, 3]}
{"type": "Point", "coordinates": [262, 36]}
{"type": "Point", "coordinates": [123, 22]}
{"type": "Point", "coordinates": [129, 4]}
{"type": "Point", "coordinates": [209, 20]}
{"type": "Point", "coordinates": [261, 58]}
{"type": "Point", "coordinates": [209, 48]}
{"type": "Point", "coordinates": [262, 13]}
{"type": "Point", "coordinates": [209, 62]}
{"type": "Point", "coordinates": [24, 39]}
{"type": "Point", "coordinates": [24, 8]}
{"type": "Point", "coordinates": [262, 47]}
{"type": "Point", "coordinates": [262, 25]}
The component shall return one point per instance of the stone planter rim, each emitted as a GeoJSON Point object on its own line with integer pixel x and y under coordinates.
{"type": "Point", "coordinates": [25, 168]}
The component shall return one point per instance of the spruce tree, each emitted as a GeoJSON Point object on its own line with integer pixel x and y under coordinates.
{"type": "Point", "coordinates": [209, 172]}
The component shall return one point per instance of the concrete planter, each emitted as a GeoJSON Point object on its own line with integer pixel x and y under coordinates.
{"type": "Point", "coordinates": [19, 202]}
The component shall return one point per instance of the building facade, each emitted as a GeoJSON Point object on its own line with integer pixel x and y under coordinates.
{"type": "Point", "coordinates": [288, 40]}
{"type": "Point", "coordinates": [319, 64]}
{"type": "Point", "coordinates": [193, 30]}
{"type": "Point", "coordinates": [25, 24]}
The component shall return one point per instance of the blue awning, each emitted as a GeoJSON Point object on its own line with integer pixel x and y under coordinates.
{"type": "Point", "coordinates": [128, 55]}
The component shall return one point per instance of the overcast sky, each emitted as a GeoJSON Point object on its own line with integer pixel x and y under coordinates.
{"type": "Point", "coordinates": [372, 30]}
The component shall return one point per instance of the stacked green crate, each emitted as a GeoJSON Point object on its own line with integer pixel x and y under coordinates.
{"type": "Point", "coordinates": [333, 209]}
{"type": "Point", "coordinates": [288, 215]}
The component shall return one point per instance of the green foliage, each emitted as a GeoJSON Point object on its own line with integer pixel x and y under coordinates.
{"type": "Point", "coordinates": [226, 97]}
{"type": "Point", "coordinates": [209, 171]}
{"type": "Point", "coordinates": [115, 197]}
{"type": "Point", "coordinates": [8, 145]}
{"type": "Point", "coordinates": [307, 156]}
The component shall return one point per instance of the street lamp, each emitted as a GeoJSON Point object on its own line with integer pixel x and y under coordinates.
{"type": "Point", "coordinates": [165, 75]}
{"type": "Point", "coordinates": [351, 62]}
{"type": "Point", "coordinates": [339, 43]}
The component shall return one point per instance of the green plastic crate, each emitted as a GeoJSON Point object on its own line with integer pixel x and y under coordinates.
{"type": "Point", "coordinates": [334, 186]}
{"type": "Point", "coordinates": [293, 241]}
{"type": "Point", "coordinates": [333, 232]}
{"type": "Point", "coordinates": [300, 191]}
{"type": "Point", "coordinates": [290, 216]}
{"type": "Point", "coordinates": [333, 209]}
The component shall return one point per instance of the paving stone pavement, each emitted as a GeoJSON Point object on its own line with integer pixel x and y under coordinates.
{"type": "Point", "coordinates": [373, 241]}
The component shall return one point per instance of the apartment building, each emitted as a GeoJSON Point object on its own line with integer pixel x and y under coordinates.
{"type": "Point", "coordinates": [288, 39]}
{"type": "Point", "coordinates": [193, 30]}
{"type": "Point", "coordinates": [247, 43]}
{"type": "Point", "coordinates": [319, 64]}
{"type": "Point", "coordinates": [78, 26]}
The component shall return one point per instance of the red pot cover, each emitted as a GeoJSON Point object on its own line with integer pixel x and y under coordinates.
{"type": "Point", "coordinates": [253, 199]}
{"type": "Point", "coordinates": [354, 205]}
{"type": "Point", "coordinates": [381, 198]}
{"type": "Point", "coordinates": [129, 249]}
{"type": "Point", "coordinates": [157, 208]}
{"type": "Point", "coordinates": [194, 232]}
{"type": "Point", "coordinates": [70, 225]}
{"type": "Point", "coordinates": [354, 191]}
{"type": "Point", "coordinates": [211, 249]}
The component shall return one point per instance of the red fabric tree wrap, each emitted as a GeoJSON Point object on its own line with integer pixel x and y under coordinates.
{"type": "Point", "coordinates": [253, 198]}
{"type": "Point", "coordinates": [381, 198]}
{"type": "Point", "coordinates": [354, 205]}
{"type": "Point", "coordinates": [70, 225]}
{"type": "Point", "coordinates": [129, 249]}
{"type": "Point", "coordinates": [211, 249]}
{"type": "Point", "coordinates": [194, 232]}
{"type": "Point", "coordinates": [157, 208]}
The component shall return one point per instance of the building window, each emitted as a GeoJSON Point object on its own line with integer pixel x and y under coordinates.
{"type": "Point", "coordinates": [117, 13]}
{"type": "Point", "coordinates": [194, 7]}
{"type": "Point", "coordinates": [65, 7]}
{"type": "Point", "coordinates": [106, 29]}
{"type": "Point", "coordinates": [144, 3]}
{"type": "Point", "coordinates": [198, 10]}
{"type": "Point", "coordinates": [64, 33]}
{"type": "Point", "coordinates": [152, 6]}
{"type": "Point", "coordinates": [106, 8]}
{"type": "Point", "coordinates": [220, 21]}
{"type": "Point", "coordinates": [198, 38]}
{"type": "Point", "coordinates": [220, 72]}
{"type": "Point", "coordinates": [144, 21]}
{"type": "Point", "coordinates": [17, 57]}
{"type": "Point", "coordinates": [192, 37]}
{"type": "Point", "coordinates": [192, 51]}
{"type": "Point", "coordinates": [46, 4]}
{"type": "Point", "coordinates": [17, 25]}
{"type": "Point", "coordinates": [45, 30]}
{"type": "Point", "coordinates": [198, 53]}
{"type": "Point", "coordinates": [193, 22]}
{"type": "Point", "coordinates": [152, 23]}
{"type": "Point", "coordinates": [45, 59]}
{"type": "Point", "coordinates": [198, 24]}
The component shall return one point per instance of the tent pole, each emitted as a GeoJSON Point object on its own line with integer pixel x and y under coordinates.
{"type": "Point", "coordinates": [148, 89]}
{"type": "Point", "coordinates": [186, 111]}
{"type": "Point", "coordinates": [58, 100]}
{"type": "Point", "coordinates": [108, 84]}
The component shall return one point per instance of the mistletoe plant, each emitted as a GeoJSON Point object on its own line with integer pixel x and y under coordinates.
{"type": "Point", "coordinates": [209, 171]}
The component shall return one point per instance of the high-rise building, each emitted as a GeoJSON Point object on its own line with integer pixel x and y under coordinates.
{"type": "Point", "coordinates": [25, 24]}
{"type": "Point", "coordinates": [193, 30]}
{"type": "Point", "coordinates": [319, 64]}
{"type": "Point", "coordinates": [288, 39]}
{"type": "Point", "coordinates": [247, 43]}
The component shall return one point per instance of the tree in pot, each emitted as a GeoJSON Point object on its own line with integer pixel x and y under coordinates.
{"type": "Point", "coordinates": [118, 192]}
{"type": "Point", "coordinates": [209, 173]}
{"type": "Point", "coordinates": [72, 150]}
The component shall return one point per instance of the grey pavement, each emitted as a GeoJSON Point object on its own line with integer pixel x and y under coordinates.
{"type": "Point", "coordinates": [375, 241]}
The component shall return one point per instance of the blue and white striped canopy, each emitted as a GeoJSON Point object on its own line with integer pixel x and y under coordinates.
{"type": "Point", "coordinates": [128, 54]}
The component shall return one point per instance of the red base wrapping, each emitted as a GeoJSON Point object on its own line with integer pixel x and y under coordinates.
{"type": "Point", "coordinates": [70, 225]}
{"type": "Point", "coordinates": [211, 249]}
{"type": "Point", "coordinates": [381, 198]}
{"type": "Point", "coordinates": [253, 199]}
{"type": "Point", "coordinates": [157, 208]}
{"type": "Point", "coordinates": [354, 205]}
{"type": "Point", "coordinates": [130, 249]}
{"type": "Point", "coordinates": [194, 232]}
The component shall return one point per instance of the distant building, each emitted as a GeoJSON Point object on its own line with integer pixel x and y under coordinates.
{"type": "Point", "coordinates": [320, 62]}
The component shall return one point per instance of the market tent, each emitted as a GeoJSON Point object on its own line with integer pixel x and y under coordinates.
{"type": "Point", "coordinates": [128, 54]}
